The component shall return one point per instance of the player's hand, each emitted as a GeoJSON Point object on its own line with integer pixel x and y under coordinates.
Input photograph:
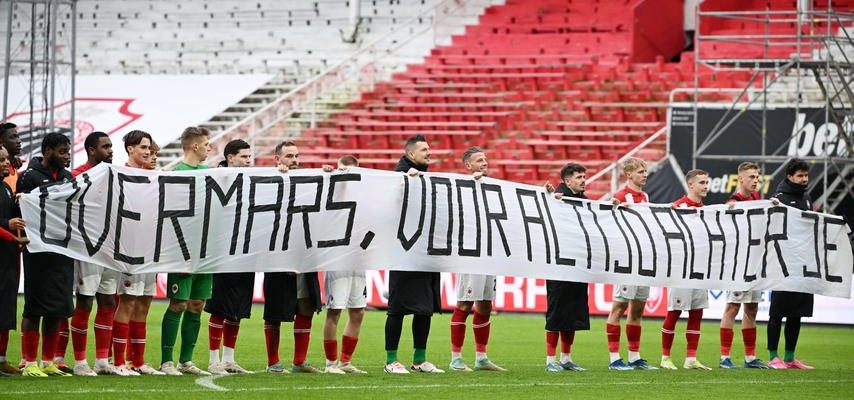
{"type": "Point", "coordinates": [775, 201]}
{"type": "Point", "coordinates": [17, 224]}
{"type": "Point", "coordinates": [558, 196]}
{"type": "Point", "coordinates": [22, 241]}
{"type": "Point", "coordinates": [413, 172]}
{"type": "Point", "coordinates": [730, 205]}
{"type": "Point", "coordinates": [283, 168]}
{"type": "Point", "coordinates": [548, 187]}
{"type": "Point", "coordinates": [617, 203]}
{"type": "Point", "coordinates": [328, 168]}
{"type": "Point", "coordinates": [477, 175]}
{"type": "Point", "coordinates": [673, 206]}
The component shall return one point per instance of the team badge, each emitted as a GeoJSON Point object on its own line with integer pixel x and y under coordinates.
{"type": "Point", "coordinates": [174, 288]}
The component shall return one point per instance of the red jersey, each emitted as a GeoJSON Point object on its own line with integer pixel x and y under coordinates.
{"type": "Point", "coordinates": [627, 195]}
{"type": "Point", "coordinates": [736, 196]}
{"type": "Point", "coordinates": [685, 202]}
{"type": "Point", "coordinates": [81, 169]}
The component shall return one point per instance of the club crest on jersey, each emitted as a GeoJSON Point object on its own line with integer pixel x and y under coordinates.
{"type": "Point", "coordinates": [174, 288]}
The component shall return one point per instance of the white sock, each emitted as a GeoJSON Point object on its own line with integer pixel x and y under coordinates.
{"type": "Point", "coordinates": [2, 359]}
{"type": "Point", "coordinates": [479, 356]}
{"type": "Point", "coordinates": [58, 360]}
{"type": "Point", "coordinates": [565, 358]}
{"type": "Point", "coordinates": [749, 358]}
{"type": "Point", "coordinates": [227, 354]}
{"type": "Point", "coordinates": [725, 357]}
{"type": "Point", "coordinates": [550, 360]}
{"type": "Point", "coordinates": [634, 356]}
{"type": "Point", "coordinates": [28, 363]}
{"type": "Point", "coordinates": [214, 357]}
{"type": "Point", "coordinates": [690, 359]}
{"type": "Point", "coordinates": [80, 362]}
{"type": "Point", "coordinates": [102, 361]}
{"type": "Point", "coordinates": [330, 362]}
{"type": "Point", "coordinates": [615, 356]}
{"type": "Point", "coordinates": [455, 355]}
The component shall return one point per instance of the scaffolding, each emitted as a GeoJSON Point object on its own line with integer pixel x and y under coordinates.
{"type": "Point", "coordinates": [808, 46]}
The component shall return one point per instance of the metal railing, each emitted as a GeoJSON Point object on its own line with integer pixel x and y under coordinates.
{"type": "Point", "coordinates": [613, 168]}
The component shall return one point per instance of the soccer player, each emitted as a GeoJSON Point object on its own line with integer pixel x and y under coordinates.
{"type": "Point", "coordinates": [412, 292]}
{"type": "Point", "coordinates": [10, 223]}
{"type": "Point", "coordinates": [748, 183]}
{"type": "Point", "coordinates": [152, 158]}
{"type": "Point", "coordinates": [692, 300]}
{"type": "Point", "coordinates": [12, 143]}
{"type": "Point", "coordinates": [567, 309]}
{"type": "Point", "coordinates": [93, 282]}
{"type": "Point", "coordinates": [48, 277]}
{"type": "Point", "coordinates": [790, 305]}
{"type": "Point", "coordinates": [628, 297]}
{"type": "Point", "coordinates": [187, 292]}
{"type": "Point", "coordinates": [135, 291]}
{"type": "Point", "coordinates": [344, 290]}
{"type": "Point", "coordinates": [231, 296]}
{"type": "Point", "coordinates": [474, 293]}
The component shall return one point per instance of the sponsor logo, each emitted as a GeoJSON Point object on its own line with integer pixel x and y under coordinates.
{"type": "Point", "coordinates": [824, 140]}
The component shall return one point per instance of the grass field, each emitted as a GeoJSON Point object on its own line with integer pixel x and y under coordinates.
{"type": "Point", "coordinates": [516, 343]}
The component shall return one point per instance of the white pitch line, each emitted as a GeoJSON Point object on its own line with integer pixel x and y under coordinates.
{"type": "Point", "coordinates": [208, 382]}
{"type": "Point", "coordinates": [426, 386]}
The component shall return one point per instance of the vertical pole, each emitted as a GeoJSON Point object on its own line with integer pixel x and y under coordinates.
{"type": "Point", "coordinates": [53, 16]}
{"type": "Point", "coordinates": [697, 37]}
{"type": "Point", "coordinates": [8, 60]}
{"type": "Point", "coordinates": [73, 77]}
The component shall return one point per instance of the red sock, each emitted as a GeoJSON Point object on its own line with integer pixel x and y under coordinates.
{"type": "Point", "coordinates": [551, 342]}
{"type": "Point", "coordinates": [668, 331]}
{"type": "Point", "coordinates": [4, 342]}
{"type": "Point", "coordinates": [330, 347]}
{"type": "Point", "coordinates": [121, 331]}
{"type": "Point", "coordinates": [271, 338]}
{"type": "Point", "coordinates": [79, 327]}
{"type": "Point", "coordinates": [229, 333]}
{"type": "Point", "coordinates": [749, 337]}
{"type": "Point", "coordinates": [137, 343]}
{"type": "Point", "coordinates": [30, 345]}
{"type": "Point", "coordinates": [49, 342]}
{"type": "Point", "coordinates": [215, 328]}
{"type": "Point", "coordinates": [633, 334]}
{"type": "Point", "coordinates": [726, 341]}
{"type": "Point", "coordinates": [302, 336]}
{"type": "Point", "coordinates": [613, 331]}
{"type": "Point", "coordinates": [61, 343]}
{"type": "Point", "coordinates": [566, 339]}
{"type": "Point", "coordinates": [480, 326]}
{"type": "Point", "coordinates": [458, 329]}
{"type": "Point", "coordinates": [692, 333]}
{"type": "Point", "coordinates": [103, 332]}
{"type": "Point", "coordinates": [348, 346]}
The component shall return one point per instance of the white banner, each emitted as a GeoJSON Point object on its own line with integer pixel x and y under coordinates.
{"type": "Point", "coordinates": [236, 220]}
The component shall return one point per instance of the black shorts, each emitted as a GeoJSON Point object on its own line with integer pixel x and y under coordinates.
{"type": "Point", "coordinates": [232, 295]}
{"type": "Point", "coordinates": [414, 293]}
{"type": "Point", "coordinates": [790, 304]}
{"type": "Point", "coordinates": [48, 285]}
{"type": "Point", "coordinates": [280, 296]}
{"type": "Point", "coordinates": [8, 296]}
{"type": "Point", "coordinates": [567, 308]}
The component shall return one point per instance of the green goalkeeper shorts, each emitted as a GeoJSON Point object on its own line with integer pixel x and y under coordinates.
{"type": "Point", "coordinates": [189, 286]}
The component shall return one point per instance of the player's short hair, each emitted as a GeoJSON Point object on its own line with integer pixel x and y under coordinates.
{"type": "Point", "coordinates": [54, 140]}
{"type": "Point", "coordinates": [191, 134]}
{"type": "Point", "coordinates": [286, 143]}
{"type": "Point", "coordinates": [747, 165]}
{"type": "Point", "coordinates": [796, 164]}
{"type": "Point", "coordinates": [695, 173]}
{"type": "Point", "coordinates": [470, 152]}
{"type": "Point", "coordinates": [412, 141]}
{"type": "Point", "coordinates": [233, 147]}
{"type": "Point", "coordinates": [349, 161]}
{"type": "Point", "coordinates": [633, 164]}
{"type": "Point", "coordinates": [134, 138]}
{"type": "Point", "coordinates": [93, 138]}
{"type": "Point", "coordinates": [154, 147]}
{"type": "Point", "coordinates": [5, 128]}
{"type": "Point", "coordinates": [571, 169]}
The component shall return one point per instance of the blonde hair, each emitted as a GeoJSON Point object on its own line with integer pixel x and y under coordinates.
{"type": "Point", "coordinates": [633, 164]}
{"type": "Point", "coordinates": [747, 165]}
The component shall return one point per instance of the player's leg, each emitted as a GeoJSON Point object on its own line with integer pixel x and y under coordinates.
{"type": "Point", "coordinates": [481, 326]}
{"type": "Point", "coordinates": [79, 332]}
{"type": "Point", "coordinates": [458, 333]}
{"type": "Point", "coordinates": [792, 332]}
{"type": "Point", "coordinates": [552, 338]}
{"type": "Point", "coordinates": [30, 345]}
{"type": "Point", "coordinates": [612, 329]}
{"type": "Point", "coordinates": [393, 330]}
{"type": "Point", "coordinates": [63, 333]}
{"type": "Point", "coordinates": [200, 290]}
{"type": "Point", "coordinates": [121, 334]}
{"type": "Point", "coordinates": [277, 300]}
{"type": "Point", "coordinates": [775, 327]}
{"type": "Point", "coordinates": [178, 287]}
{"type": "Point", "coordinates": [726, 333]}
{"type": "Point", "coordinates": [330, 338]}
{"type": "Point", "coordinates": [216, 326]}
{"type": "Point", "coordinates": [50, 339]}
{"type": "Point", "coordinates": [350, 338]}
{"type": "Point", "coordinates": [420, 333]}
{"type": "Point", "coordinates": [138, 329]}
{"type": "Point", "coordinates": [229, 342]}
{"type": "Point", "coordinates": [748, 334]}
{"type": "Point", "coordinates": [306, 285]}
{"type": "Point", "coordinates": [668, 333]}
{"type": "Point", "coordinates": [103, 327]}
{"type": "Point", "coordinates": [633, 329]}
{"type": "Point", "coordinates": [692, 336]}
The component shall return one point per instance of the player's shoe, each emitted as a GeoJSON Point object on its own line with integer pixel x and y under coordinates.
{"type": "Point", "coordinates": [103, 368]}
{"type": "Point", "coordinates": [777, 363]}
{"type": "Point", "coordinates": [34, 371]}
{"type": "Point", "coordinates": [53, 370]}
{"type": "Point", "coordinates": [695, 364]}
{"type": "Point", "coordinates": [640, 363]}
{"type": "Point", "coordinates": [395, 368]}
{"type": "Point", "coordinates": [756, 363]}
{"type": "Point", "coordinates": [427, 368]}
{"type": "Point", "coordinates": [726, 363]}
{"type": "Point", "coordinates": [82, 369]}
{"type": "Point", "coordinates": [168, 368]}
{"type": "Point", "coordinates": [571, 366]}
{"type": "Point", "coordinates": [458, 364]}
{"type": "Point", "coordinates": [9, 368]}
{"type": "Point", "coordinates": [217, 369]}
{"type": "Point", "coordinates": [333, 369]}
{"type": "Point", "coordinates": [350, 368]}
{"type": "Point", "coordinates": [554, 367]}
{"type": "Point", "coordinates": [619, 365]}
{"type": "Point", "coordinates": [305, 368]}
{"type": "Point", "coordinates": [485, 364]}
{"type": "Point", "coordinates": [188, 368]}
{"type": "Point", "coordinates": [235, 368]}
{"type": "Point", "coordinates": [3, 374]}
{"type": "Point", "coordinates": [60, 365]}
{"type": "Point", "coordinates": [667, 363]}
{"type": "Point", "coordinates": [124, 370]}
{"type": "Point", "coordinates": [146, 369]}
{"type": "Point", "coordinates": [277, 368]}
{"type": "Point", "coordinates": [798, 364]}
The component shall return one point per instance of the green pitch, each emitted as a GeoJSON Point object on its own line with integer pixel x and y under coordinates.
{"type": "Point", "coordinates": [517, 343]}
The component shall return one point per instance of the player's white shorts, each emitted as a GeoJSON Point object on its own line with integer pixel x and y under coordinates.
{"type": "Point", "coordinates": [687, 299]}
{"type": "Point", "coordinates": [92, 278]}
{"type": "Point", "coordinates": [345, 289]}
{"type": "Point", "coordinates": [750, 296]}
{"type": "Point", "coordinates": [138, 284]}
{"type": "Point", "coordinates": [626, 293]}
{"type": "Point", "coordinates": [474, 287]}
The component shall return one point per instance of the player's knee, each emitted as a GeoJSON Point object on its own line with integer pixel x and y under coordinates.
{"type": "Point", "coordinates": [333, 315]}
{"type": "Point", "coordinates": [106, 301]}
{"type": "Point", "coordinates": [177, 306]}
{"type": "Point", "coordinates": [84, 303]}
{"type": "Point", "coordinates": [484, 307]}
{"type": "Point", "coordinates": [465, 306]}
{"type": "Point", "coordinates": [356, 315]}
{"type": "Point", "coordinates": [196, 306]}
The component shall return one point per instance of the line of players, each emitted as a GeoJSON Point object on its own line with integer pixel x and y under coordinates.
{"type": "Point", "coordinates": [123, 300]}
